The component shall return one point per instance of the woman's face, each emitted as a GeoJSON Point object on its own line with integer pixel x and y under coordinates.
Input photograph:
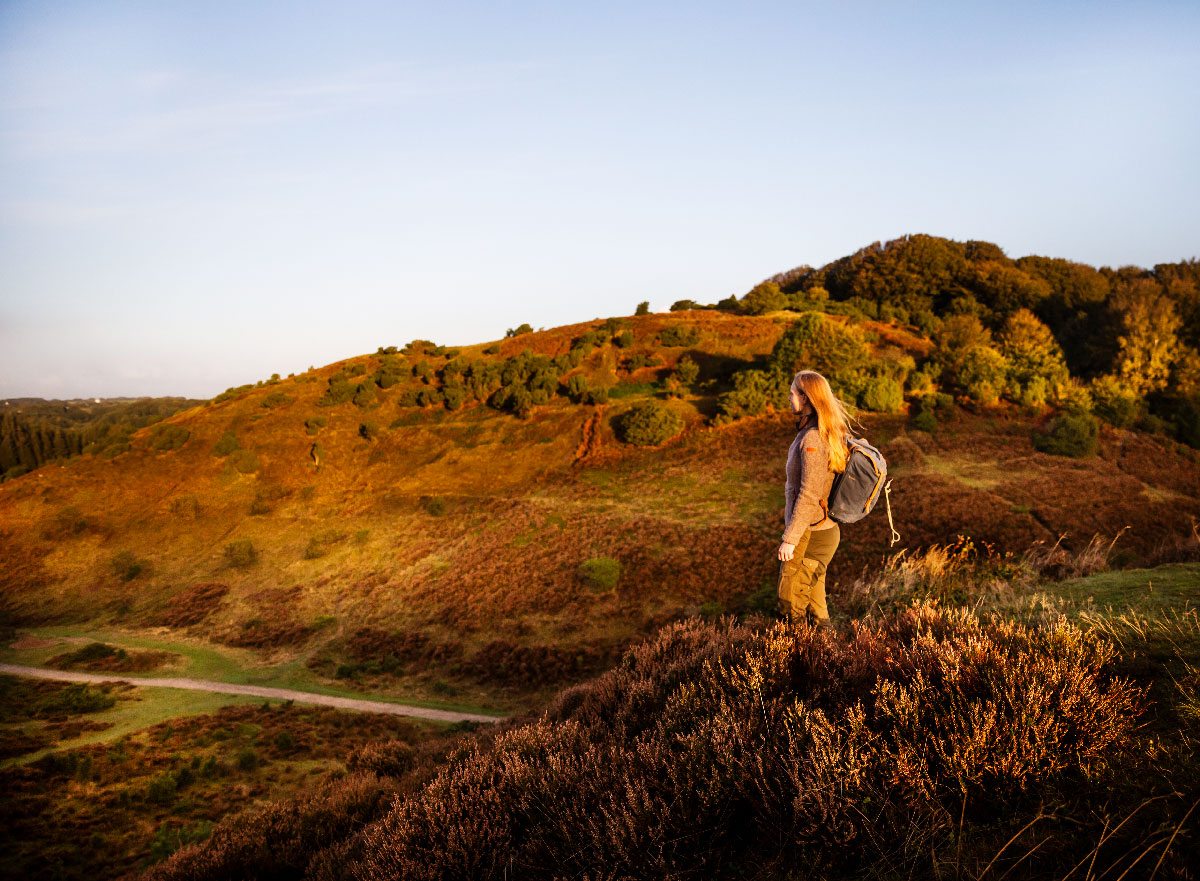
{"type": "Point", "coordinates": [800, 403]}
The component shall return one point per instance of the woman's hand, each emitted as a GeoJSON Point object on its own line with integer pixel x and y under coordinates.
{"type": "Point", "coordinates": [785, 551]}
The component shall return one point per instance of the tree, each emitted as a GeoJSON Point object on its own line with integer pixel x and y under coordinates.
{"type": "Point", "coordinates": [981, 374]}
{"type": "Point", "coordinates": [1031, 350]}
{"type": "Point", "coordinates": [1149, 344]}
{"type": "Point", "coordinates": [763, 298]}
{"type": "Point", "coordinates": [643, 308]}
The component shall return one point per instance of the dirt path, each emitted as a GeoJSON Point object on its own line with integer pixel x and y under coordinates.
{"type": "Point", "coordinates": [303, 697]}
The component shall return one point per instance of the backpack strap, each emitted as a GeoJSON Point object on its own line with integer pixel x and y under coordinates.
{"type": "Point", "coordinates": [887, 497]}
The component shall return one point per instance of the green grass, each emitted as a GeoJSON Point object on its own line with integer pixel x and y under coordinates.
{"type": "Point", "coordinates": [223, 664]}
{"type": "Point", "coordinates": [139, 709]}
{"type": "Point", "coordinates": [1147, 591]}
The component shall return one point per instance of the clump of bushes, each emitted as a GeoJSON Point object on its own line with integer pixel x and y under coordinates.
{"type": "Point", "coordinates": [126, 566]}
{"type": "Point", "coordinates": [244, 461]}
{"type": "Point", "coordinates": [649, 424]}
{"type": "Point", "coordinates": [226, 444]}
{"type": "Point", "coordinates": [882, 395]}
{"type": "Point", "coordinates": [678, 335]}
{"type": "Point", "coordinates": [168, 436]}
{"type": "Point", "coordinates": [241, 553]}
{"type": "Point", "coordinates": [1070, 434]}
{"type": "Point", "coordinates": [601, 573]}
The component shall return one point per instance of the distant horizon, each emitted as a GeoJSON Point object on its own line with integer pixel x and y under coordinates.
{"type": "Point", "coordinates": [194, 196]}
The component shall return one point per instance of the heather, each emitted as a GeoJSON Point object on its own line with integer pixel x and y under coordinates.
{"type": "Point", "coordinates": [895, 745]}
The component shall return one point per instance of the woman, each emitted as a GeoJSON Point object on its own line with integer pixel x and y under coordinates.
{"type": "Point", "coordinates": [810, 537]}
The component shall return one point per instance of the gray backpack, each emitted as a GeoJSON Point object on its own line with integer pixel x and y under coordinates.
{"type": "Point", "coordinates": [856, 490]}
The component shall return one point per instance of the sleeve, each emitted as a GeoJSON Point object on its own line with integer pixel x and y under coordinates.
{"type": "Point", "coordinates": [814, 487]}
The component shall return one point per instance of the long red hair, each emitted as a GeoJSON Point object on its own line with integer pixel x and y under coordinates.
{"type": "Point", "coordinates": [833, 419]}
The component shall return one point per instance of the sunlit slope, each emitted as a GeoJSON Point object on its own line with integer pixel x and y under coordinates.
{"type": "Point", "coordinates": [457, 539]}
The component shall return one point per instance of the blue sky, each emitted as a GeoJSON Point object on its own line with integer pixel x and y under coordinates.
{"type": "Point", "coordinates": [197, 195]}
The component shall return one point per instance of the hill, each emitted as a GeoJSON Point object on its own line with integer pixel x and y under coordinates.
{"type": "Point", "coordinates": [350, 519]}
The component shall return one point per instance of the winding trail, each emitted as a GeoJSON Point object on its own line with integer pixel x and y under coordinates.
{"type": "Point", "coordinates": [301, 697]}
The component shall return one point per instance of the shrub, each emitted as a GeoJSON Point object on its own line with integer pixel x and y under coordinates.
{"type": "Point", "coordinates": [276, 399]}
{"type": "Point", "coordinates": [750, 396]}
{"type": "Point", "coordinates": [241, 553]}
{"type": "Point", "coordinates": [227, 443]}
{"type": "Point", "coordinates": [784, 745]}
{"type": "Point", "coordinates": [1071, 434]}
{"type": "Point", "coordinates": [602, 573]}
{"type": "Point", "coordinates": [518, 330]}
{"type": "Point", "coordinates": [247, 759]}
{"type": "Point", "coordinates": [368, 430]}
{"type": "Point", "coordinates": [435, 506]}
{"type": "Point", "coordinates": [577, 387]}
{"type": "Point", "coordinates": [650, 424]}
{"type": "Point", "coordinates": [168, 436]}
{"type": "Point", "coordinates": [454, 396]}
{"type": "Point", "coordinates": [882, 395]}
{"type": "Point", "coordinates": [762, 299]}
{"type": "Point", "coordinates": [245, 461]}
{"type": "Point", "coordinates": [1115, 402]}
{"type": "Point", "coordinates": [314, 424]}
{"type": "Point", "coordinates": [678, 335]}
{"type": "Point", "coordinates": [643, 308]}
{"type": "Point", "coordinates": [624, 339]}
{"type": "Point", "coordinates": [925, 421]}
{"type": "Point", "coordinates": [125, 565]}
{"type": "Point", "coordinates": [687, 371]}
{"type": "Point", "coordinates": [596, 396]}
{"type": "Point", "coordinates": [364, 395]}
{"type": "Point", "coordinates": [684, 305]}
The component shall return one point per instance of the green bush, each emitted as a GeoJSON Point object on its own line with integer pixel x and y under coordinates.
{"type": "Point", "coordinates": [518, 330]}
{"type": "Point", "coordinates": [925, 421]}
{"type": "Point", "coordinates": [168, 436]}
{"type": "Point", "coordinates": [162, 789]}
{"type": "Point", "coordinates": [240, 553]}
{"type": "Point", "coordinates": [1071, 434]}
{"type": "Point", "coordinates": [276, 399]}
{"type": "Point", "coordinates": [751, 393]}
{"type": "Point", "coordinates": [687, 371]}
{"type": "Point", "coordinates": [314, 424]}
{"type": "Point", "coordinates": [649, 424]}
{"type": "Point", "coordinates": [245, 461]}
{"type": "Point", "coordinates": [368, 430]}
{"type": "Point", "coordinates": [577, 387]}
{"type": "Point", "coordinates": [643, 308]}
{"type": "Point", "coordinates": [679, 335]}
{"type": "Point", "coordinates": [1115, 402]}
{"type": "Point", "coordinates": [227, 443]}
{"type": "Point", "coordinates": [602, 573]}
{"type": "Point", "coordinates": [596, 396]}
{"type": "Point", "coordinates": [764, 298]}
{"type": "Point", "coordinates": [882, 395]}
{"type": "Point", "coordinates": [126, 566]}
{"type": "Point", "coordinates": [454, 396]}
{"type": "Point", "coordinates": [433, 505]}
{"type": "Point", "coordinates": [684, 305]}
{"type": "Point", "coordinates": [247, 759]}
{"type": "Point", "coordinates": [624, 339]}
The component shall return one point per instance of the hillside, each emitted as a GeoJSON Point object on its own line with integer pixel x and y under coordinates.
{"type": "Point", "coordinates": [333, 518]}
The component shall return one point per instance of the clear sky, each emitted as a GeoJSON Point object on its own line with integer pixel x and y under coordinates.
{"type": "Point", "coordinates": [195, 195]}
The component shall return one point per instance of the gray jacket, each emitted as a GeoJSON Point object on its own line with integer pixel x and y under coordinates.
{"type": "Point", "coordinates": [809, 479]}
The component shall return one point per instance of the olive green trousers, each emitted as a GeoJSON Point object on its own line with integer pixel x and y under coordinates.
{"type": "Point", "coordinates": [802, 578]}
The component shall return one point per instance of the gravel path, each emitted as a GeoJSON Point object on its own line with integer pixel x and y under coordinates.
{"type": "Point", "coordinates": [302, 697]}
